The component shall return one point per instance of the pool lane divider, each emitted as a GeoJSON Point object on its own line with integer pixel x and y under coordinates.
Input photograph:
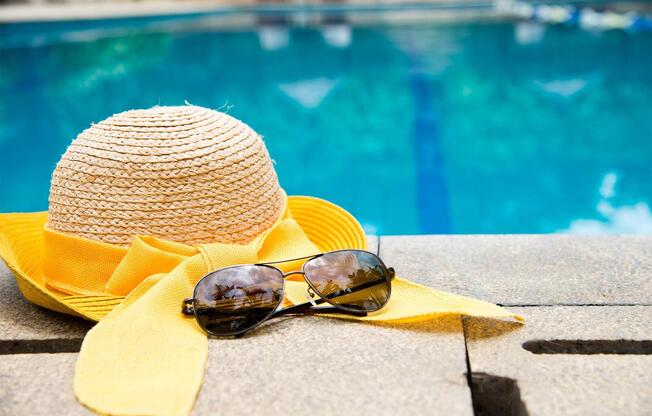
{"type": "Point", "coordinates": [433, 211]}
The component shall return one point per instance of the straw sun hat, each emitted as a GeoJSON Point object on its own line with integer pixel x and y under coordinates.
{"type": "Point", "coordinates": [185, 174]}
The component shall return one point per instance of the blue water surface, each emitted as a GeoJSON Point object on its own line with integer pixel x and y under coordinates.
{"type": "Point", "coordinates": [473, 127]}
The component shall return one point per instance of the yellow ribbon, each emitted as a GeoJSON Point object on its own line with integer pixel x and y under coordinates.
{"type": "Point", "coordinates": [145, 357]}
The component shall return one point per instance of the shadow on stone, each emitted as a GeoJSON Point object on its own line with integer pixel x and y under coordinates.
{"type": "Point", "coordinates": [36, 346]}
{"type": "Point", "coordinates": [495, 396]}
{"type": "Point", "coordinates": [587, 347]}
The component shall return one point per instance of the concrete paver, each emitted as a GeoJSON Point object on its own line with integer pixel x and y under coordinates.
{"type": "Point", "coordinates": [316, 365]}
{"type": "Point", "coordinates": [38, 384]}
{"type": "Point", "coordinates": [322, 366]}
{"type": "Point", "coordinates": [529, 269]}
{"type": "Point", "coordinates": [568, 384]}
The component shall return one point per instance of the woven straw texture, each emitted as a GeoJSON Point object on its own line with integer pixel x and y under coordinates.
{"type": "Point", "coordinates": [187, 174]}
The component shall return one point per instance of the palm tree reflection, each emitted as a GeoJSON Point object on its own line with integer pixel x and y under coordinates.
{"type": "Point", "coordinates": [349, 279]}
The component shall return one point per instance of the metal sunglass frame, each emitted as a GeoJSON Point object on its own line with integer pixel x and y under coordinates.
{"type": "Point", "coordinates": [188, 305]}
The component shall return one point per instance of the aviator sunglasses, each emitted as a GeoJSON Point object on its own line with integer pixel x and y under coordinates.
{"type": "Point", "coordinates": [233, 300]}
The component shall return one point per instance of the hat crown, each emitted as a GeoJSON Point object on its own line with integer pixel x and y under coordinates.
{"type": "Point", "coordinates": [187, 174]}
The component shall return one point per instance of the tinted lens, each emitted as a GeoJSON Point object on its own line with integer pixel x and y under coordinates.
{"type": "Point", "coordinates": [352, 280]}
{"type": "Point", "coordinates": [232, 300]}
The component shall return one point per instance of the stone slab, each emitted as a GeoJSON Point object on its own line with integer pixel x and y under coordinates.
{"type": "Point", "coordinates": [21, 320]}
{"type": "Point", "coordinates": [297, 365]}
{"type": "Point", "coordinates": [529, 269]}
{"type": "Point", "coordinates": [38, 384]}
{"type": "Point", "coordinates": [568, 384]}
{"type": "Point", "coordinates": [322, 366]}
{"type": "Point", "coordinates": [313, 365]}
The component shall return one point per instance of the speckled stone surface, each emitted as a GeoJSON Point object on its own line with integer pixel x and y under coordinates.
{"type": "Point", "coordinates": [529, 269]}
{"type": "Point", "coordinates": [568, 384]}
{"type": "Point", "coordinates": [322, 366]}
{"type": "Point", "coordinates": [21, 320]}
{"type": "Point", "coordinates": [313, 366]}
{"type": "Point", "coordinates": [38, 384]}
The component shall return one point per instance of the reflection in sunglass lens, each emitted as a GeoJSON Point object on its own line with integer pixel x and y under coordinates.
{"type": "Point", "coordinates": [352, 280]}
{"type": "Point", "coordinates": [235, 299]}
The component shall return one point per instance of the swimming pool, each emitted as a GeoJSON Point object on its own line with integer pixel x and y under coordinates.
{"type": "Point", "coordinates": [467, 127]}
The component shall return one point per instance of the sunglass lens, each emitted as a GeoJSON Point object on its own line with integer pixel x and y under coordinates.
{"type": "Point", "coordinates": [351, 279]}
{"type": "Point", "coordinates": [233, 300]}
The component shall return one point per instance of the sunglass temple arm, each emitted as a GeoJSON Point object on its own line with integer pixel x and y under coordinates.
{"type": "Point", "coordinates": [307, 308]}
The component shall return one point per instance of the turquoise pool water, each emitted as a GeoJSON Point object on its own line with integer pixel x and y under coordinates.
{"type": "Point", "coordinates": [499, 127]}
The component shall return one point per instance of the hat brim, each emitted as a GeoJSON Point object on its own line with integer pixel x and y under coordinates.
{"type": "Point", "coordinates": [327, 225]}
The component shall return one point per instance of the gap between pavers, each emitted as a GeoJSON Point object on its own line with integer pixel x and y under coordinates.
{"type": "Point", "coordinates": [568, 384]}
{"type": "Point", "coordinates": [528, 269]}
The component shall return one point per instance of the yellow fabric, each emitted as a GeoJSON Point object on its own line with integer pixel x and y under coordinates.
{"type": "Point", "coordinates": [412, 302]}
{"type": "Point", "coordinates": [144, 356]}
